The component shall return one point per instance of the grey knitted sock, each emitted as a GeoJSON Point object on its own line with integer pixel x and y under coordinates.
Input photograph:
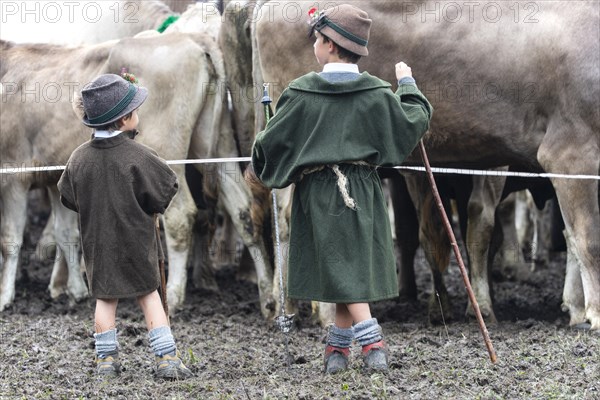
{"type": "Point", "coordinates": [106, 343]}
{"type": "Point", "coordinates": [368, 332]}
{"type": "Point", "coordinates": [340, 337]}
{"type": "Point", "coordinates": [162, 341]}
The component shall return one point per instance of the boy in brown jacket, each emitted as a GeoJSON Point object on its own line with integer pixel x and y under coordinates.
{"type": "Point", "coordinates": [117, 185]}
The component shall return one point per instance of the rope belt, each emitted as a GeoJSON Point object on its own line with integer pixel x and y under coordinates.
{"type": "Point", "coordinates": [342, 181]}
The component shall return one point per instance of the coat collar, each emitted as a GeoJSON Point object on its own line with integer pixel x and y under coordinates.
{"type": "Point", "coordinates": [313, 83]}
{"type": "Point", "coordinates": [113, 141]}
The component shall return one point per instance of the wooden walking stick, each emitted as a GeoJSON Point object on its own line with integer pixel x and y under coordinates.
{"type": "Point", "coordinates": [463, 270]}
{"type": "Point", "coordinates": [161, 267]}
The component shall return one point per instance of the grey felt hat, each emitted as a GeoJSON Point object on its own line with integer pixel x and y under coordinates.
{"type": "Point", "coordinates": [108, 98]}
{"type": "Point", "coordinates": [347, 25]}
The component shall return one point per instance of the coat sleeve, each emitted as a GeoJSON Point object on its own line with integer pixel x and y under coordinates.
{"type": "Point", "coordinates": [155, 185]}
{"type": "Point", "coordinates": [415, 105]}
{"type": "Point", "coordinates": [271, 146]}
{"type": "Point", "coordinates": [65, 188]}
{"type": "Point", "coordinates": [411, 119]}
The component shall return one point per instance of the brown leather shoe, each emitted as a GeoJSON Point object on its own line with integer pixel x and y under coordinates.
{"type": "Point", "coordinates": [108, 366]}
{"type": "Point", "coordinates": [171, 367]}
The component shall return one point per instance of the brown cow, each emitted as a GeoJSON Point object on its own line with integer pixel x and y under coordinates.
{"type": "Point", "coordinates": [511, 85]}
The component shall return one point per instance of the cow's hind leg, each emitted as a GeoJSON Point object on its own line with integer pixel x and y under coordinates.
{"type": "Point", "coordinates": [484, 199]}
{"type": "Point", "coordinates": [509, 257]}
{"type": "Point", "coordinates": [573, 297]}
{"type": "Point", "coordinates": [435, 244]}
{"type": "Point", "coordinates": [66, 233]}
{"type": "Point", "coordinates": [178, 223]}
{"type": "Point", "coordinates": [236, 199]}
{"type": "Point", "coordinates": [13, 216]}
{"type": "Point", "coordinates": [406, 225]}
{"type": "Point", "coordinates": [579, 204]}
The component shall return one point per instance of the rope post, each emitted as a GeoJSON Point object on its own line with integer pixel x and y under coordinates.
{"type": "Point", "coordinates": [283, 321]}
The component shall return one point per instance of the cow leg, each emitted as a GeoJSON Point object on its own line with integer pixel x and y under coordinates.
{"type": "Point", "coordinates": [13, 216]}
{"type": "Point", "coordinates": [227, 243]}
{"type": "Point", "coordinates": [178, 223]}
{"type": "Point", "coordinates": [203, 270]}
{"type": "Point", "coordinates": [435, 243]}
{"type": "Point", "coordinates": [236, 200]}
{"type": "Point", "coordinates": [325, 312]}
{"type": "Point", "coordinates": [284, 203]}
{"type": "Point", "coordinates": [582, 223]}
{"type": "Point", "coordinates": [45, 248]}
{"type": "Point", "coordinates": [66, 232]}
{"type": "Point", "coordinates": [406, 226]}
{"type": "Point", "coordinates": [573, 297]}
{"type": "Point", "coordinates": [484, 199]}
{"type": "Point", "coordinates": [541, 235]}
{"type": "Point", "coordinates": [510, 257]}
{"type": "Point", "coordinates": [523, 220]}
{"type": "Point", "coordinates": [579, 204]}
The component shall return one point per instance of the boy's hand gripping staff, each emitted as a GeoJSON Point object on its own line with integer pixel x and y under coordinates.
{"type": "Point", "coordinates": [463, 270]}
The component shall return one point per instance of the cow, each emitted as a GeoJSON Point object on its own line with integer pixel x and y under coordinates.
{"type": "Point", "coordinates": [82, 22]}
{"type": "Point", "coordinates": [185, 101]}
{"type": "Point", "coordinates": [179, 6]}
{"type": "Point", "coordinates": [512, 108]}
{"type": "Point", "coordinates": [79, 23]}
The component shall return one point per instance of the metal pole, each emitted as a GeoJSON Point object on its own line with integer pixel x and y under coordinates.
{"type": "Point", "coordinates": [284, 321]}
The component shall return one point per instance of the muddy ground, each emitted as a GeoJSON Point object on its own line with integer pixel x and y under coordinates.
{"type": "Point", "coordinates": [46, 346]}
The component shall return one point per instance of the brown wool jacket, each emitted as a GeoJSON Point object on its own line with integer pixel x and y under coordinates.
{"type": "Point", "coordinates": [116, 185]}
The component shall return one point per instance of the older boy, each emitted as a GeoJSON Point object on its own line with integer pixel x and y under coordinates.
{"type": "Point", "coordinates": [329, 134]}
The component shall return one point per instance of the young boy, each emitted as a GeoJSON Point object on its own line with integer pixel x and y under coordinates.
{"type": "Point", "coordinates": [117, 185]}
{"type": "Point", "coordinates": [329, 134]}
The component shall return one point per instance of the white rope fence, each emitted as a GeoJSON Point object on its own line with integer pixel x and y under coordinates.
{"type": "Point", "coordinates": [456, 171]}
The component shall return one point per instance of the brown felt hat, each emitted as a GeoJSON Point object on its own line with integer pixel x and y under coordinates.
{"type": "Point", "coordinates": [347, 26]}
{"type": "Point", "coordinates": [108, 98]}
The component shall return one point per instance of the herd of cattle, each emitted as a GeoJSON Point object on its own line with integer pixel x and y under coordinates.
{"type": "Point", "coordinates": [508, 91]}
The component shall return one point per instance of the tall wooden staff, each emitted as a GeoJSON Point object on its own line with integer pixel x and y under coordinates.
{"type": "Point", "coordinates": [161, 268]}
{"type": "Point", "coordinates": [463, 270]}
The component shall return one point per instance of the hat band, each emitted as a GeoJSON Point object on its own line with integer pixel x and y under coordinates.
{"type": "Point", "coordinates": [121, 105]}
{"type": "Point", "coordinates": [326, 21]}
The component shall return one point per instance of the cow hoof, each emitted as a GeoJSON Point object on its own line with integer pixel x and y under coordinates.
{"type": "Point", "coordinates": [174, 300]}
{"type": "Point", "coordinates": [268, 307]}
{"type": "Point", "coordinates": [582, 326]}
{"type": "Point", "coordinates": [78, 296]}
{"type": "Point", "coordinates": [55, 293]}
{"type": "Point", "coordinates": [4, 304]}
{"type": "Point", "coordinates": [440, 310]}
{"type": "Point", "coordinates": [486, 313]}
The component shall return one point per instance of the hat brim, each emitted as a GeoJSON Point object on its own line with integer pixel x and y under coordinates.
{"type": "Point", "coordinates": [136, 102]}
{"type": "Point", "coordinates": [344, 42]}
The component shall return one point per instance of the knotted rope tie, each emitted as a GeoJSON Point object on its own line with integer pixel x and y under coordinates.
{"type": "Point", "coordinates": [342, 183]}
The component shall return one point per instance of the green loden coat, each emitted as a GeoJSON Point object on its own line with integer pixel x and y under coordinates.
{"type": "Point", "coordinates": [116, 185]}
{"type": "Point", "coordinates": [337, 254]}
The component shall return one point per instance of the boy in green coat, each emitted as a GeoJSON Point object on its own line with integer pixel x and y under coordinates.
{"type": "Point", "coordinates": [329, 134]}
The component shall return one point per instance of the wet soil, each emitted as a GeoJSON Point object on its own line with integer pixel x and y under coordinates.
{"type": "Point", "coordinates": [47, 351]}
